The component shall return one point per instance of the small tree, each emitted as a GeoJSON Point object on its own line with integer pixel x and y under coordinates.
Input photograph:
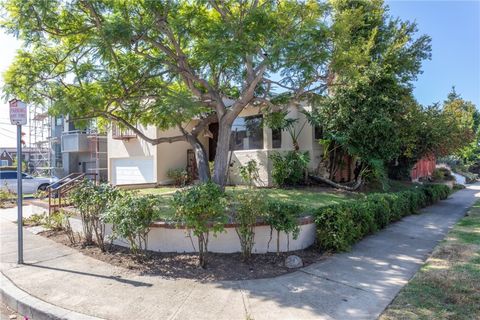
{"type": "Point", "coordinates": [249, 172]}
{"type": "Point", "coordinates": [249, 207]}
{"type": "Point", "coordinates": [92, 201]}
{"type": "Point", "coordinates": [283, 217]}
{"type": "Point", "coordinates": [131, 217]}
{"type": "Point", "coordinates": [202, 209]}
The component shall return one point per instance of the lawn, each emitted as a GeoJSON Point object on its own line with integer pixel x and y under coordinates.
{"type": "Point", "coordinates": [448, 285]}
{"type": "Point", "coordinates": [308, 197]}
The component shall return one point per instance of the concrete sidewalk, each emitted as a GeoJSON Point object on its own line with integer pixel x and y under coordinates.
{"type": "Point", "coordinates": [354, 285]}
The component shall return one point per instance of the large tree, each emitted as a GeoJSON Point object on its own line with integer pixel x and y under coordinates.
{"type": "Point", "coordinates": [375, 59]}
{"type": "Point", "coordinates": [163, 63]}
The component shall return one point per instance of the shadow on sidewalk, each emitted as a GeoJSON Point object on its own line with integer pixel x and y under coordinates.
{"type": "Point", "coordinates": [116, 278]}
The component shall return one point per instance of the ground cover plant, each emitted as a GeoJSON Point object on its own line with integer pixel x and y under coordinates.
{"type": "Point", "coordinates": [448, 285]}
{"type": "Point", "coordinates": [340, 226]}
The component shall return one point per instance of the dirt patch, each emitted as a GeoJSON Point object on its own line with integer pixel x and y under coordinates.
{"type": "Point", "coordinates": [221, 266]}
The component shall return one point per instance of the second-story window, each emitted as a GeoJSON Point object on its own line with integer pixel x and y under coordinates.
{"type": "Point", "coordinates": [247, 133]}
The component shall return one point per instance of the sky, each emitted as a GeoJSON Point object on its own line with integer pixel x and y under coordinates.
{"type": "Point", "coordinates": [454, 27]}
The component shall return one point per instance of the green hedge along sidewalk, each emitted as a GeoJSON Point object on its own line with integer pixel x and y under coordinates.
{"type": "Point", "coordinates": [340, 226]}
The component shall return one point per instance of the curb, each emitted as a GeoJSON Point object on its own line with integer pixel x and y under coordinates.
{"type": "Point", "coordinates": [32, 307]}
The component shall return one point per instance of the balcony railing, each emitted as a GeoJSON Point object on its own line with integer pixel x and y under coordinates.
{"type": "Point", "coordinates": [122, 133]}
{"type": "Point", "coordinates": [75, 141]}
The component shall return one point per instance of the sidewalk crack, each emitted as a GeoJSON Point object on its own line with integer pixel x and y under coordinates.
{"type": "Point", "coordinates": [336, 281]}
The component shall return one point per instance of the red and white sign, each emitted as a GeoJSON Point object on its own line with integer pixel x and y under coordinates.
{"type": "Point", "coordinates": [18, 112]}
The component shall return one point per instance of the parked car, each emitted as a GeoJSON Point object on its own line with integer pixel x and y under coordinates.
{"type": "Point", "coordinates": [8, 179]}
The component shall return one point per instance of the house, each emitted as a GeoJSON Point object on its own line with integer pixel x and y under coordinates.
{"type": "Point", "coordinates": [29, 155]}
{"type": "Point", "coordinates": [6, 158]}
{"type": "Point", "coordinates": [132, 161]}
{"type": "Point", "coordinates": [75, 150]}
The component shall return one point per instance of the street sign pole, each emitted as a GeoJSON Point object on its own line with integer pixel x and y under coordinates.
{"type": "Point", "coordinates": [18, 117]}
{"type": "Point", "coordinates": [19, 194]}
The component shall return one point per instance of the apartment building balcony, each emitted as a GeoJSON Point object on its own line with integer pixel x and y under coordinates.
{"type": "Point", "coordinates": [122, 133]}
{"type": "Point", "coordinates": [75, 141]}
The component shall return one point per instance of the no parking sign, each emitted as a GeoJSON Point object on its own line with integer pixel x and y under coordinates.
{"type": "Point", "coordinates": [18, 112]}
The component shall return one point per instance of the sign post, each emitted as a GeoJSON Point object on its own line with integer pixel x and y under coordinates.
{"type": "Point", "coordinates": [18, 117]}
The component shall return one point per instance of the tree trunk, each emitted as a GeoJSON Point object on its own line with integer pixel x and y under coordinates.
{"type": "Point", "coordinates": [221, 164]}
{"type": "Point", "coordinates": [200, 158]}
{"type": "Point", "coordinates": [357, 184]}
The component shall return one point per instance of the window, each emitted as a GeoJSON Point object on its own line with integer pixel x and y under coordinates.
{"type": "Point", "coordinates": [276, 138]}
{"type": "Point", "coordinates": [3, 163]}
{"type": "Point", "coordinates": [318, 132]}
{"type": "Point", "coordinates": [8, 175]}
{"type": "Point", "coordinates": [247, 133]}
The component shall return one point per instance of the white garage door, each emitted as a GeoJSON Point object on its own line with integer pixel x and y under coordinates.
{"type": "Point", "coordinates": [132, 170]}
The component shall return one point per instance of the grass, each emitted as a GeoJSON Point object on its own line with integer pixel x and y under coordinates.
{"type": "Point", "coordinates": [158, 191]}
{"type": "Point", "coordinates": [307, 197]}
{"type": "Point", "coordinates": [448, 285]}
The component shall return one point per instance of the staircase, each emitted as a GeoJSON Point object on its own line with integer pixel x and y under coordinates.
{"type": "Point", "coordinates": [58, 191]}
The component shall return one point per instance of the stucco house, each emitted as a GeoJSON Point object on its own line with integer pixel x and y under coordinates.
{"type": "Point", "coordinates": [132, 160]}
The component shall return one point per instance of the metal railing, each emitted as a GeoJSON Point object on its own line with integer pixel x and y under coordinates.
{"type": "Point", "coordinates": [122, 133]}
{"type": "Point", "coordinates": [59, 190]}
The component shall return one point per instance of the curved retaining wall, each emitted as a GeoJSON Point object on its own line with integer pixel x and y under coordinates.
{"type": "Point", "coordinates": [164, 237]}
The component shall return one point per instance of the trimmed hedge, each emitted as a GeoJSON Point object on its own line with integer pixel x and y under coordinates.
{"type": "Point", "coordinates": [341, 225]}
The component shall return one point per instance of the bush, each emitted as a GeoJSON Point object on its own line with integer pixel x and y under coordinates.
{"type": "Point", "coordinates": [283, 217]}
{"type": "Point", "coordinates": [249, 172]}
{"type": "Point", "coordinates": [442, 174]}
{"type": "Point", "coordinates": [249, 208]}
{"type": "Point", "coordinates": [7, 198]}
{"type": "Point", "coordinates": [201, 208]}
{"type": "Point", "coordinates": [289, 169]}
{"type": "Point", "coordinates": [131, 217]}
{"type": "Point", "coordinates": [339, 226]}
{"type": "Point", "coordinates": [179, 176]}
{"type": "Point", "coordinates": [92, 201]}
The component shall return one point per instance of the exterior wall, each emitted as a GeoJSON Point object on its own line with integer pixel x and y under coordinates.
{"type": "Point", "coordinates": [172, 156]}
{"type": "Point", "coordinates": [306, 143]}
{"type": "Point", "coordinates": [134, 149]}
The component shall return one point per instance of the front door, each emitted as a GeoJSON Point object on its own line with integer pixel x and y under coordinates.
{"type": "Point", "coordinates": [212, 142]}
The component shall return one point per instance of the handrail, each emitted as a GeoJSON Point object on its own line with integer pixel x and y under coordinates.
{"type": "Point", "coordinates": [66, 184]}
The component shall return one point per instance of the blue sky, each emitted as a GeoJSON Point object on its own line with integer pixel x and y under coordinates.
{"type": "Point", "coordinates": [454, 27]}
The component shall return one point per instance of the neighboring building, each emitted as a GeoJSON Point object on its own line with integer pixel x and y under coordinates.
{"type": "Point", "coordinates": [31, 156]}
{"type": "Point", "coordinates": [77, 150]}
{"type": "Point", "coordinates": [132, 160]}
{"type": "Point", "coordinates": [6, 159]}
{"type": "Point", "coordinates": [424, 167]}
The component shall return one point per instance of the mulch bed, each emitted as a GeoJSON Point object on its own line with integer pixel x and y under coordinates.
{"type": "Point", "coordinates": [221, 266]}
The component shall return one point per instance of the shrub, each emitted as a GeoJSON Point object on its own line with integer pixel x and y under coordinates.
{"type": "Point", "coordinates": [249, 172]}
{"type": "Point", "coordinates": [339, 226]}
{"type": "Point", "coordinates": [179, 176]}
{"type": "Point", "coordinates": [249, 207]}
{"type": "Point", "coordinates": [283, 217]}
{"type": "Point", "coordinates": [201, 208]}
{"type": "Point", "coordinates": [92, 201]}
{"type": "Point", "coordinates": [289, 169]}
{"type": "Point", "coordinates": [6, 197]}
{"type": "Point", "coordinates": [131, 217]}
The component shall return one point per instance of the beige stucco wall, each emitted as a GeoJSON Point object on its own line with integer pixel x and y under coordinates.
{"type": "Point", "coordinates": [135, 148]}
{"type": "Point", "coordinates": [174, 155]}
{"type": "Point", "coordinates": [305, 139]}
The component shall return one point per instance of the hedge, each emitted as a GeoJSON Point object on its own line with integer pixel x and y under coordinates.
{"type": "Point", "coordinates": [341, 225]}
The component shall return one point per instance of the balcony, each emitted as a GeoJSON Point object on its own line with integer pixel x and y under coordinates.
{"type": "Point", "coordinates": [75, 141]}
{"type": "Point", "coordinates": [122, 133]}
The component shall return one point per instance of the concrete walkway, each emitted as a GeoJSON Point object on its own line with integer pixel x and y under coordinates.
{"type": "Point", "coordinates": [354, 285]}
